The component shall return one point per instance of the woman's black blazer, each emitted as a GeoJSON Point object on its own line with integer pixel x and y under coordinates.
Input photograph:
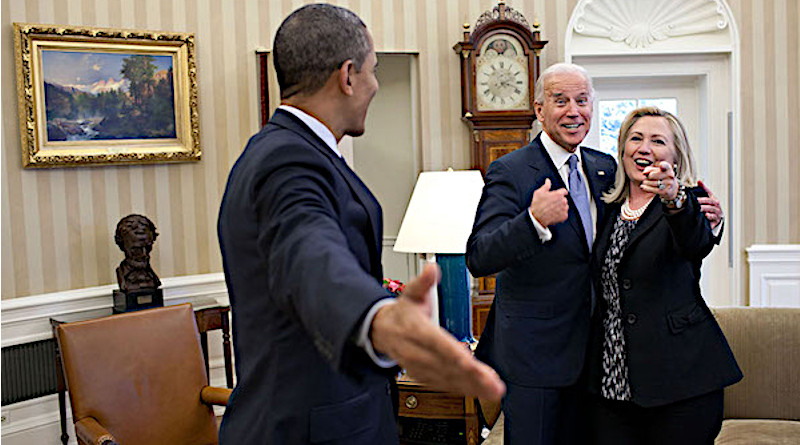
{"type": "Point", "coordinates": [676, 349]}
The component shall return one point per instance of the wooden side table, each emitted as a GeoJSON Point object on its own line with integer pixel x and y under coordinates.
{"type": "Point", "coordinates": [428, 417]}
{"type": "Point", "coordinates": [209, 319]}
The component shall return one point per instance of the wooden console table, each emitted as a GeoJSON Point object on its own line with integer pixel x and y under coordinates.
{"type": "Point", "coordinates": [428, 417]}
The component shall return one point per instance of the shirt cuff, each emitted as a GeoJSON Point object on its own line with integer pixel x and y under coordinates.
{"type": "Point", "coordinates": [364, 341]}
{"type": "Point", "coordinates": [544, 232]}
{"type": "Point", "coordinates": [717, 230]}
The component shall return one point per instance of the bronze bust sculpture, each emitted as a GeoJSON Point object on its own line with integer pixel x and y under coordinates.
{"type": "Point", "coordinates": [135, 236]}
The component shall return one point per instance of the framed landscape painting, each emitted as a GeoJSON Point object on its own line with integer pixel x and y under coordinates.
{"type": "Point", "coordinates": [99, 96]}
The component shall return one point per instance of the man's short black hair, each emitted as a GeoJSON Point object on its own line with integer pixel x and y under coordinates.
{"type": "Point", "coordinates": [313, 42]}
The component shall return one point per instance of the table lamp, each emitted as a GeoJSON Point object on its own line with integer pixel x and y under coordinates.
{"type": "Point", "coordinates": [438, 221]}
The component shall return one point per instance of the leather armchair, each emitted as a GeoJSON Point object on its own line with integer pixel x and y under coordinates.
{"type": "Point", "coordinates": [139, 378]}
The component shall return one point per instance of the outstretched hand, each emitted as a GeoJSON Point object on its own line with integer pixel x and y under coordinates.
{"type": "Point", "coordinates": [404, 332]}
{"type": "Point", "coordinates": [661, 180]}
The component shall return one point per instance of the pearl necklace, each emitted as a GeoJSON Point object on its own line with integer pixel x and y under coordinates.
{"type": "Point", "coordinates": [629, 214]}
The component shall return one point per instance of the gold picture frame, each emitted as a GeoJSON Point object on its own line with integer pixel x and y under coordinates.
{"type": "Point", "coordinates": [102, 96]}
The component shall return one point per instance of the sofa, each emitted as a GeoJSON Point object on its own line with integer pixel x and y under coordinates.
{"type": "Point", "coordinates": [764, 407]}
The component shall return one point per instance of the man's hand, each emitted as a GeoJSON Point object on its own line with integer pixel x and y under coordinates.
{"type": "Point", "coordinates": [404, 332]}
{"type": "Point", "coordinates": [710, 206]}
{"type": "Point", "coordinates": [549, 207]}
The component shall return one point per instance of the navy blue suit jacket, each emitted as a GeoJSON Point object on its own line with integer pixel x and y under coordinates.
{"type": "Point", "coordinates": [301, 246]}
{"type": "Point", "coordinates": [538, 325]}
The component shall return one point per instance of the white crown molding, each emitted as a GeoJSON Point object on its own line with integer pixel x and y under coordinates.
{"type": "Point", "coordinates": [639, 24]}
{"type": "Point", "coordinates": [27, 319]}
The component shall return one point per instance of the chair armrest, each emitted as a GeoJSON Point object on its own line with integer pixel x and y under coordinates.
{"type": "Point", "coordinates": [91, 432]}
{"type": "Point", "coordinates": [215, 396]}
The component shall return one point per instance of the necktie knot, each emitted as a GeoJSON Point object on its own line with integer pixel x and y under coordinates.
{"type": "Point", "coordinates": [573, 162]}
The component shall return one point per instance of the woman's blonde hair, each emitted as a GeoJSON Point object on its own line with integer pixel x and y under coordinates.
{"type": "Point", "coordinates": [683, 152]}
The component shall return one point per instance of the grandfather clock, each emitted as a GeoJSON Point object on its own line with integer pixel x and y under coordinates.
{"type": "Point", "coordinates": [499, 67]}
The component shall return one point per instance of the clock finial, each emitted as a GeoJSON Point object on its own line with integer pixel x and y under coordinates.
{"type": "Point", "coordinates": [501, 12]}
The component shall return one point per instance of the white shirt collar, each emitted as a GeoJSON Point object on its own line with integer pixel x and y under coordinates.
{"type": "Point", "coordinates": [558, 154]}
{"type": "Point", "coordinates": [316, 126]}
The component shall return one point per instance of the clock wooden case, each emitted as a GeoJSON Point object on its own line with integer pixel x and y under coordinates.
{"type": "Point", "coordinates": [499, 67]}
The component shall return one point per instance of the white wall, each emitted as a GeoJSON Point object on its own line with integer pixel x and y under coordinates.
{"type": "Point", "coordinates": [387, 157]}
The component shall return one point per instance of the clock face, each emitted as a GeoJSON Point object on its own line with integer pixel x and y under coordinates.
{"type": "Point", "coordinates": [502, 75]}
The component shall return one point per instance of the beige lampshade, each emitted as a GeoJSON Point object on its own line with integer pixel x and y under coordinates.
{"type": "Point", "coordinates": [440, 213]}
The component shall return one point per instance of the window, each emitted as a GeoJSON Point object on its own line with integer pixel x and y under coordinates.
{"type": "Point", "coordinates": [613, 112]}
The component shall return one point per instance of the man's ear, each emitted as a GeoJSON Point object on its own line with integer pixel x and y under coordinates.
{"type": "Point", "coordinates": [537, 108]}
{"type": "Point", "coordinates": [344, 77]}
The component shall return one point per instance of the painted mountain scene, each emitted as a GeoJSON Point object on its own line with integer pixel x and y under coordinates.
{"type": "Point", "coordinates": [102, 96]}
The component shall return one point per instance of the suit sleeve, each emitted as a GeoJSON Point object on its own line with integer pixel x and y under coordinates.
{"type": "Point", "coordinates": [503, 233]}
{"type": "Point", "coordinates": [690, 228]}
{"type": "Point", "coordinates": [313, 274]}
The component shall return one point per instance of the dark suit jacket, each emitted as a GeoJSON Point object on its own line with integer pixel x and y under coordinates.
{"type": "Point", "coordinates": [301, 246]}
{"type": "Point", "coordinates": [538, 325]}
{"type": "Point", "coordinates": [675, 347]}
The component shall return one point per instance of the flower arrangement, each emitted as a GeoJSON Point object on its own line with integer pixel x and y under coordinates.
{"type": "Point", "coordinates": [393, 286]}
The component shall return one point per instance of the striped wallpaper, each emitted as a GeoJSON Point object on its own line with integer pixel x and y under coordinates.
{"type": "Point", "coordinates": [771, 119]}
{"type": "Point", "coordinates": [57, 225]}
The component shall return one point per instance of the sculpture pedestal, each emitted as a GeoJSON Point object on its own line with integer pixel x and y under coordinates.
{"type": "Point", "coordinates": [137, 300]}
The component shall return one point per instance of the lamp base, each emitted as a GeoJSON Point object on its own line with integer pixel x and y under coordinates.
{"type": "Point", "coordinates": [454, 302]}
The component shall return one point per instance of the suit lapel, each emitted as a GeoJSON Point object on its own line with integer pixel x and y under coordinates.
{"type": "Point", "coordinates": [606, 225]}
{"type": "Point", "coordinates": [541, 162]}
{"type": "Point", "coordinates": [597, 177]}
{"type": "Point", "coordinates": [360, 190]}
{"type": "Point", "coordinates": [648, 219]}
{"type": "Point", "coordinates": [366, 198]}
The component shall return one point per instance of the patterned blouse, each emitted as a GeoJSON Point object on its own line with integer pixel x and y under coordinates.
{"type": "Point", "coordinates": [615, 384]}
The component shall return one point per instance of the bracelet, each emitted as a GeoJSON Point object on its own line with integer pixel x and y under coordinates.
{"type": "Point", "coordinates": [679, 200]}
